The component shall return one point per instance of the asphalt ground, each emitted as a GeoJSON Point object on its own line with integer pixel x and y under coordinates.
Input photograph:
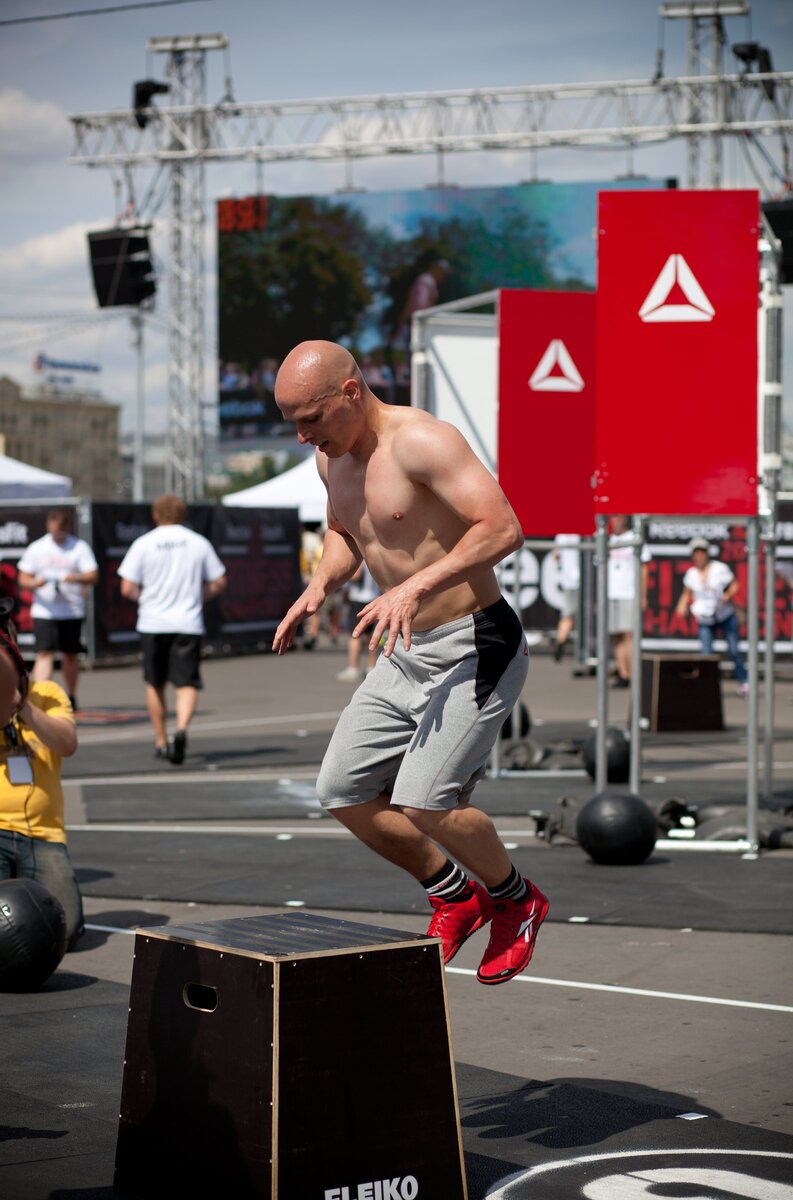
{"type": "Point", "coordinates": [648, 1048]}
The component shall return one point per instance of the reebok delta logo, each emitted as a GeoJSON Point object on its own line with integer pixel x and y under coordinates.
{"type": "Point", "coordinates": [678, 283]}
{"type": "Point", "coordinates": [406, 1188]}
{"type": "Point", "coordinates": [556, 371]}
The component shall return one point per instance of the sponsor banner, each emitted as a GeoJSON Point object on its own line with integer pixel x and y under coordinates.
{"type": "Point", "coordinates": [676, 410]}
{"type": "Point", "coordinates": [546, 409]}
{"type": "Point", "coordinates": [260, 549]}
{"type": "Point", "coordinates": [18, 528]}
{"type": "Point", "coordinates": [668, 541]}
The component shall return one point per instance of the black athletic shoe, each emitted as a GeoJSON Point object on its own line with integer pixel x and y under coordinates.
{"type": "Point", "coordinates": [178, 746]}
{"type": "Point", "coordinates": [162, 752]}
{"type": "Point", "coordinates": [558, 651]}
{"type": "Point", "coordinates": [73, 702]}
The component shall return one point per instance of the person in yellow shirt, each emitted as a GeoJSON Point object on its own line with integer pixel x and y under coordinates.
{"type": "Point", "coordinates": [37, 737]}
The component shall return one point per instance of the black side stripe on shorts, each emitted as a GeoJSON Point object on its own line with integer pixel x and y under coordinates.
{"type": "Point", "coordinates": [497, 635]}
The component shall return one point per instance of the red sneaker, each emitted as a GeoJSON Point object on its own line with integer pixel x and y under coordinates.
{"type": "Point", "coordinates": [513, 933]}
{"type": "Point", "coordinates": [454, 922]}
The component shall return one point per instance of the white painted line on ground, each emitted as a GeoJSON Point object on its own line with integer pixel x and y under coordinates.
{"type": "Point", "coordinates": [333, 830]}
{"type": "Point", "coordinates": [142, 732]}
{"type": "Point", "coordinates": [267, 774]}
{"type": "Point", "coordinates": [567, 983]}
{"type": "Point", "coordinates": [628, 991]}
{"type": "Point", "coordinates": [263, 830]}
{"type": "Point", "coordinates": [108, 929]}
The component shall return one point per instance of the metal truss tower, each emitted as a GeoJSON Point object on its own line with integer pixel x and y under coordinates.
{"type": "Point", "coordinates": [186, 75]}
{"type": "Point", "coordinates": [707, 102]}
{"type": "Point", "coordinates": [188, 134]}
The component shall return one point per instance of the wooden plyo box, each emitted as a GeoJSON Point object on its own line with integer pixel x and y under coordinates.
{"type": "Point", "coordinates": [288, 1057]}
{"type": "Point", "coordinates": [681, 693]}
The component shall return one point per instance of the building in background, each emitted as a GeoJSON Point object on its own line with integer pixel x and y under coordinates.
{"type": "Point", "coordinates": [73, 432]}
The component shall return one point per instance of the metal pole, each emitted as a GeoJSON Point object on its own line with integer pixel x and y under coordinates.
{"type": "Point", "coordinates": [601, 617]}
{"type": "Point", "coordinates": [581, 609]}
{"type": "Point", "coordinates": [769, 671]}
{"type": "Point", "coordinates": [636, 660]}
{"type": "Point", "coordinates": [753, 623]}
{"type": "Point", "coordinates": [770, 465]}
{"type": "Point", "coordinates": [140, 409]}
{"type": "Point", "coordinates": [85, 530]}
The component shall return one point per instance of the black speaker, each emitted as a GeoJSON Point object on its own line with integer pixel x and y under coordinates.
{"type": "Point", "coordinates": [780, 218]}
{"type": "Point", "coordinates": [142, 93]}
{"type": "Point", "coordinates": [121, 266]}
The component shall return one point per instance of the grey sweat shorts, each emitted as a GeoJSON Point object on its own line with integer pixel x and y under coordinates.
{"type": "Point", "coordinates": [421, 726]}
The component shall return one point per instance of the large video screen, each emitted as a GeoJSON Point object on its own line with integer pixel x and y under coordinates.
{"type": "Point", "coordinates": [353, 267]}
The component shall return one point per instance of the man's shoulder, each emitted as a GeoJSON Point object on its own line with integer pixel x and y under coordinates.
{"type": "Point", "coordinates": [413, 428]}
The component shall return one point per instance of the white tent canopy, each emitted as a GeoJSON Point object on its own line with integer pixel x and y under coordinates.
{"type": "Point", "coordinates": [300, 488]}
{"type": "Point", "coordinates": [19, 481]}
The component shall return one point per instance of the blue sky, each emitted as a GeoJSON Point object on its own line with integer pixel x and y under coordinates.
{"type": "Point", "coordinates": [300, 49]}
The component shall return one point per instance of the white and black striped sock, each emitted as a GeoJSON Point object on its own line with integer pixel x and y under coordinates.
{"type": "Point", "coordinates": [450, 883]}
{"type": "Point", "coordinates": [513, 888]}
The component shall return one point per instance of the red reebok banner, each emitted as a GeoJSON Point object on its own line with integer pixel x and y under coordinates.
{"type": "Point", "coordinates": [546, 409]}
{"type": "Point", "coordinates": [676, 409]}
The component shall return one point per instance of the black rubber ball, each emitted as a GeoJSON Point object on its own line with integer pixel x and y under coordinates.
{"type": "Point", "coordinates": [32, 934]}
{"type": "Point", "coordinates": [518, 724]}
{"type": "Point", "coordinates": [618, 756]}
{"type": "Point", "coordinates": [617, 828]}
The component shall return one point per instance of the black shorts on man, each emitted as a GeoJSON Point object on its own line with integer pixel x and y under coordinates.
{"type": "Point", "coordinates": [58, 634]}
{"type": "Point", "coordinates": [171, 658]}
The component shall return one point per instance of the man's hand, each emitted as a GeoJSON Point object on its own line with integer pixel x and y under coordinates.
{"type": "Point", "coordinates": [394, 611]}
{"type": "Point", "coordinates": [305, 606]}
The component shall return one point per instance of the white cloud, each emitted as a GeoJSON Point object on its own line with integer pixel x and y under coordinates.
{"type": "Point", "coordinates": [37, 259]}
{"type": "Point", "coordinates": [31, 131]}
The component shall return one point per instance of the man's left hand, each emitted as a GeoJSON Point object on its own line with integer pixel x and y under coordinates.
{"type": "Point", "coordinates": [394, 612]}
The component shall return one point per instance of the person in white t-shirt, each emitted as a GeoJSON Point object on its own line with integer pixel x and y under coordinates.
{"type": "Point", "coordinates": [170, 572]}
{"type": "Point", "coordinates": [58, 568]}
{"type": "Point", "coordinates": [621, 591]}
{"type": "Point", "coordinates": [567, 555]}
{"type": "Point", "coordinates": [708, 588]}
{"type": "Point", "coordinates": [361, 590]}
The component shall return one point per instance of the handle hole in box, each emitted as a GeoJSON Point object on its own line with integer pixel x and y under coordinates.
{"type": "Point", "coordinates": [200, 996]}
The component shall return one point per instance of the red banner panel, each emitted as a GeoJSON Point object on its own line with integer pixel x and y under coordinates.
{"type": "Point", "coordinates": [546, 409]}
{"type": "Point", "coordinates": [676, 410]}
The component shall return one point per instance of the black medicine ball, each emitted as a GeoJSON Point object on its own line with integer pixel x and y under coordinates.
{"type": "Point", "coordinates": [618, 756]}
{"type": "Point", "coordinates": [32, 934]}
{"type": "Point", "coordinates": [617, 828]}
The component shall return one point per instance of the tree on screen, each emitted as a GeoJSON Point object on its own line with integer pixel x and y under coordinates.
{"type": "Point", "coordinates": [304, 276]}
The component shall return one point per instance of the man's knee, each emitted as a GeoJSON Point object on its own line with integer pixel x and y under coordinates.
{"type": "Point", "coordinates": [425, 820]}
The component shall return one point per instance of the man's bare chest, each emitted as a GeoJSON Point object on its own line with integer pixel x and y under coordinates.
{"type": "Point", "coordinates": [378, 502]}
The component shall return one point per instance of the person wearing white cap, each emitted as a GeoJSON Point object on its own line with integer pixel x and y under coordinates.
{"type": "Point", "coordinates": [708, 587]}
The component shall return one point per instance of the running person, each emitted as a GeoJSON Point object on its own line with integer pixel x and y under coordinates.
{"type": "Point", "coordinates": [407, 495]}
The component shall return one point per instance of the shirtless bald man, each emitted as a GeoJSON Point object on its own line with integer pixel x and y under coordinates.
{"type": "Point", "coordinates": [407, 494]}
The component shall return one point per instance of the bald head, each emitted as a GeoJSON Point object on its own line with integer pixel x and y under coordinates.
{"type": "Point", "coordinates": [313, 369]}
{"type": "Point", "coordinates": [321, 389]}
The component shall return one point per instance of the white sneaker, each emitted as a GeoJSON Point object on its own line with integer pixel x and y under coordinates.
{"type": "Point", "coordinates": [350, 675]}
